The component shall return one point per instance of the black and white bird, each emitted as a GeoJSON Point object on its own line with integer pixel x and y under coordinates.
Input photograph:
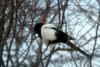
{"type": "Point", "coordinates": [51, 35]}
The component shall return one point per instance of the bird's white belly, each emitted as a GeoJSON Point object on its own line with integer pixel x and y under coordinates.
{"type": "Point", "coordinates": [48, 34]}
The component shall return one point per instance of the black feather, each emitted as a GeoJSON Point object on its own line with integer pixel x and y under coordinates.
{"type": "Point", "coordinates": [37, 28]}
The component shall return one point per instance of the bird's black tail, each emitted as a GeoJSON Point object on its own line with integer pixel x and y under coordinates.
{"type": "Point", "coordinates": [74, 47]}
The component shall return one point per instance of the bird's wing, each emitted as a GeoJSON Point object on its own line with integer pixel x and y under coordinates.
{"type": "Point", "coordinates": [64, 35]}
{"type": "Point", "coordinates": [49, 26]}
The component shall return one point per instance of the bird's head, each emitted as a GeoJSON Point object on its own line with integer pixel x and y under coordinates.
{"type": "Point", "coordinates": [37, 27]}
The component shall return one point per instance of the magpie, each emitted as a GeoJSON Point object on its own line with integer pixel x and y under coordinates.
{"type": "Point", "coordinates": [50, 34]}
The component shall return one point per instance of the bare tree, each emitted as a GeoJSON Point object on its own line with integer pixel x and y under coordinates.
{"type": "Point", "coordinates": [19, 44]}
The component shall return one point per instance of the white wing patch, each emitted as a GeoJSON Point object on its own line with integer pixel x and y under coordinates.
{"type": "Point", "coordinates": [47, 33]}
{"type": "Point", "coordinates": [49, 26]}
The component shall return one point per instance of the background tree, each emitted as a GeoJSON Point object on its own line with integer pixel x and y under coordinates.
{"type": "Point", "coordinates": [19, 44]}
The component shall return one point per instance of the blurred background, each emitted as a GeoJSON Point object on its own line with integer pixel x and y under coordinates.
{"type": "Point", "coordinates": [21, 47]}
